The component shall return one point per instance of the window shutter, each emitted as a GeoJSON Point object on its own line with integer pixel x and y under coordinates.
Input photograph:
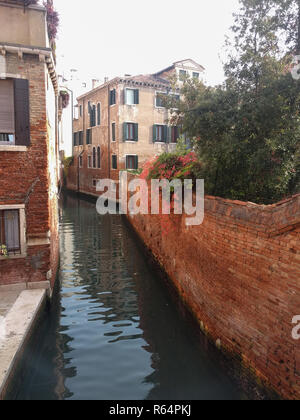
{"type": "Point", "coordinates": [22, 118]}
{"type": "Point", "coordinates": [125, 96]}
{"type": "Point", "coordinates": [136, 132]}
{"type": "Point", "coordinates": [7, 114]}
{"type": "Point", "coordinates": [127, 162]}
{"type": "Point", "coordinates": [154, 134]}
{"type": "Point", "coordinates": [113, 131]}
{"type": "Point", "coordinates": [113, 97]}
{"type": "Point", "coordinates": [125, 132]}
{"type": "Point", "coordinates": [165, 129]}
{"type": "Point", "coordinates": [136, 162]}
{"type": "Point", "coordinates": [136, 97]}
{"type": "Point", "coordinates": [169, 138]}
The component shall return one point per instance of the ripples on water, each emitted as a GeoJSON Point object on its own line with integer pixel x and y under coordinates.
{"type": "Point", "coordinates": [114, 332]}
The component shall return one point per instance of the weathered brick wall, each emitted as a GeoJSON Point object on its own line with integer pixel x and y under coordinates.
{"type": "Point", "coordinates": [239, 273]}
{"type": "Point", "coordinates": [25, 179]}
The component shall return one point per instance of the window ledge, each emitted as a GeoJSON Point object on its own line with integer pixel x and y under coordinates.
{"type": "Point", "coordinates": [13, 257]}
{"type": "Point", "coordinates": [13, 148]}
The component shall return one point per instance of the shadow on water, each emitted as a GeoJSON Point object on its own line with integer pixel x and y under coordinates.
{"type": "Point", "coordinates": [114, 331]}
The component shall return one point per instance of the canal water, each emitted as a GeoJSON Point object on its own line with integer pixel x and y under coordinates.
{"type": "Point", "coordinates": [115, 331]}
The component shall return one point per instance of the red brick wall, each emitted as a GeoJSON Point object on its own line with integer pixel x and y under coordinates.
{"type": "Point", "coordinates": [25, 179]}
{"type": "Point", "coordinates": [239, 274]}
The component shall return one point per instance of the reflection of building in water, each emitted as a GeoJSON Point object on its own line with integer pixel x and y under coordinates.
{"type": "Point", "coordinates": [99, 261]}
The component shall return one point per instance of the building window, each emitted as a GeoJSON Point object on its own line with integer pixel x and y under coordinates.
{"type": "Point", "coordinates": [89, 161]}
{"type": "Point", "coordinates": [98, 114]}
{"type": "Point", "coordinates": [94, 157]}
{"type": "Point", "coordinates": [88, 136]}
{"type": "Point", "coordinates": [160, 133]}
{"type": "Point", "coordinates": [75, 139]}
{"type": "Point", "coordinates": [80, 110]}
{"type": "Point", "coordinates": [80, 138]}
{"type": "Point", "coordinates": [182, 75]}
{"type": "Point", "coordinates": [112, 97]}
{"type": "Point", "coordinates": [131, 97]}
{"type": "Point", "coordinates": [114, 162]}
{"type": "Point", "coordinates": [113, 131]}
{"type": "Point", "coordinates": [10, 232]}
{"type": "Point", "coordinates": [196, 75]}
{"type": "Point", "coordinates": [92, 112]}
{"type": "Point", "coordinates": [174, 134]}
{"type": "Point", "coordinates": [159, 100]}
{"type": "Point", "coordinates": [132, 162]}
{"type": "Point", "coordinates": [80, 161]}
{"type": "Point", "coordinates": [98, 157]}
{"type": "Point", "coordinates": [131, 132]}
{"type": "Point", "coordinates": [95, 183]}
{"type": "Point", "coordinates": [14, 112]}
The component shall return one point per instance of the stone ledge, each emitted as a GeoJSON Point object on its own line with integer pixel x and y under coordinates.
{"type": "Point", "coordinates": [13, 148]}
{"type": "Point", "coordinates": [16, 327]}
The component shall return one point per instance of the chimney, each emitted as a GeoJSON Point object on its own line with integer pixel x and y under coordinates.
{"type": "Point", "coordinates": [106, 79]}
{"type": "Point", "coordinates": [95, 82]}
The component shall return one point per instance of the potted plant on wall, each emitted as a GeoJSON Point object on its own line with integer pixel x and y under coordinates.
{"type": "Point", "coordinates": [3, 251]}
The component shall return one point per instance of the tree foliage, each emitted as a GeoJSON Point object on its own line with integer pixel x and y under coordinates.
{"type": "Point", "coordinates": [246, 132]}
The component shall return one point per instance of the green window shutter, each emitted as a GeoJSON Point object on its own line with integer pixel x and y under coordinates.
{"type": "Point", "coordinates": [125, 132]}
{"type": "Point", "coordinates": [136, 162]}
{"type": "Point", "coordinates": [98, 114]}
{"type": "Point", "coordinates": [127, 162]}
{"type": "Point", "coordinates": [165, 129]}
{"type": "Point", "coordinates": [114, 162]}
{"type": "Point", "coordinates": [113, 131]}
{"type": "Point", "coordinates": [136, 97]}
{"type": "Point", "coordinates": [125, 96]}
{"type": "Point", "coordinates": [154, 134]}
{"type": "Point", "coordinates": [169, 137]}
{"type": "Point", "coordinates": [136, 132]}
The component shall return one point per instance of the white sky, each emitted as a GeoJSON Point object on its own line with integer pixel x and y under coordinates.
{"type": "Point", "coordinates": [116, 37]}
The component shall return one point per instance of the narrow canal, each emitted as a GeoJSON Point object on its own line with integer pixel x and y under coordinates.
{"type": "Point", "coordinates": [114, 331]}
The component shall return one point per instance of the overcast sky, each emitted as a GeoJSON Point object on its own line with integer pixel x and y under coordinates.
{"type": "Point", "coordinates": [116, 37]}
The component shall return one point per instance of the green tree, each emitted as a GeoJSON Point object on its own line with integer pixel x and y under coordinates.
{"type": "Point", "coordinates": [247, 131]}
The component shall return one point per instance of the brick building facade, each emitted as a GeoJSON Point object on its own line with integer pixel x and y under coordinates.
{"type": "Point", "coordinates": [122, 124]}
{"type": "Point", "coordinates": [28, 147]}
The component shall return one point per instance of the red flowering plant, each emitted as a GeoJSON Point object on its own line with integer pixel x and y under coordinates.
{"type": "Point", "coordinates": [172, 166]}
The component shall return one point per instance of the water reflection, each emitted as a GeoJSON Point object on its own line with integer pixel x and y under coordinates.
{"type": "Point", "coordinates": [114, 332]}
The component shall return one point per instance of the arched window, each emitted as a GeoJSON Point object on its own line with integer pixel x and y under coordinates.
{"type": "Point", "coordinates": [98, 114]}
{"type": "Point", "coordinates": [99, 157]}
{"type": "Point", "coordinates": [94, 157]}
